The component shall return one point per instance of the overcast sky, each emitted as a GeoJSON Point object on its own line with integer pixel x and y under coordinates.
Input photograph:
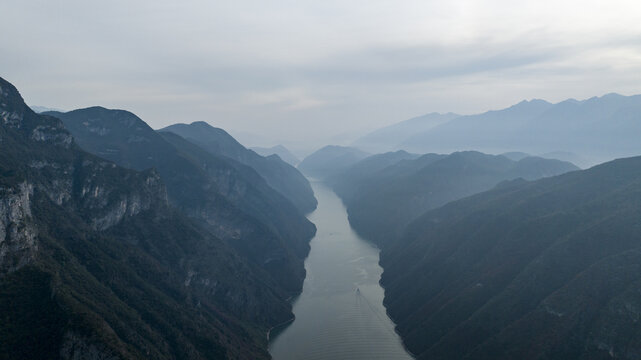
{"type": "Point", "coordinates": [305, 73]}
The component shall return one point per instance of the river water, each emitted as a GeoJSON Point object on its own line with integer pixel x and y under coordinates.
{"type": "Point", "coordinates": [340, 313]}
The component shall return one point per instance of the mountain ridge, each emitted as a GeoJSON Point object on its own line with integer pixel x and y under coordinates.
{"type": "Point", "coordinates": [281, 176]}
{"type": "Point", "coordinates": [96, 264]}
{"type": "Point", "coordinates": [330, 160]}
{"type": "Point", "coordinates": [411, 186]}
{"type": "Point", "coordinates": [230, 198]}
{"type": "Point", "coordinates": [549, 265]}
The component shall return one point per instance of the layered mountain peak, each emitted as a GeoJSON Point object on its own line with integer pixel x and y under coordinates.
{"type": "Point", "coordinates": [331, 160]}
{"type": "Point", "coordinates": [108, 123]}
{"type": "Point", "coordinates": [34, 145]}
{"type": "Point", "coordinates": [94, 262]}
{"type": "Point", "coordinates": [11, 101]}
{"type": "Point", "coordinates": [15, 114]}
{"type": "Point", "coordinates": [98, 115]}
{"type": "Point", "coordinates": [381, 200]}
{"type": "Point", "coordinates": [216, 138]}
{"type": "Point", "coordinates": [280, 175]}
{"type": "Point", "coordinates": [233, 200]}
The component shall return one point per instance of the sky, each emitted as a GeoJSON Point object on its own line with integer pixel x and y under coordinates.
{"type": "Point", "coordinates": [308, 73]}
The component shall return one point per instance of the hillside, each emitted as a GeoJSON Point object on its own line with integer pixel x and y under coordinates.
{"type": "Point", "coordinates": [94, 263]}
{"type": "Point", "coordinates": [383, 203]}
{"type": "Point", "coordinates": [530, 270]}
{"type": "Point", "coordinates": [351, 183]}
{"type": "Point", "coordinates": [231, 198]}
{"type": "Point", "coordinates": [281, 176]}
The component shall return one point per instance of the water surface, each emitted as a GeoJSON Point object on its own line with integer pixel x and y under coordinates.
{"type": "Point", "coordinates": [340, 313]}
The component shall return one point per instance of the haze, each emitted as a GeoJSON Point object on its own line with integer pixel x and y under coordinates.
{"type": "Point", "coordinates": [306, 73]}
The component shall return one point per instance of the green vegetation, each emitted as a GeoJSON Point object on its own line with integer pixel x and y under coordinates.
{"type": "Point", "coordinates": [386, 192]}
{"type": "Point", "coordinates": [281, 176]}
{"type": "Point", "coordinates": [230, 198]}
{"type": "Point", "coordinates": [530, 270]}
{"type": "Point", "coordinates": [96, 264]}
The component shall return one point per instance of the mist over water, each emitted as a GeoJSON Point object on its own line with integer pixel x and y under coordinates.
{"type": "Point", "coordinates": [340, 313]}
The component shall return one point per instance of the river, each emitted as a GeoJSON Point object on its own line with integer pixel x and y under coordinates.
{"type": "Point", "coordinates": [340, 313]}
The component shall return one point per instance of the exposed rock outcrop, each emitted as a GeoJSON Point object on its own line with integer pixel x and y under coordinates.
{"type": "Point", "coordinates": [17, 233]}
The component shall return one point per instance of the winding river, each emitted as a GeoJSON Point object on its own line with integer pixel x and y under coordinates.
{"type": "Point", "coordinates": [340, 313]}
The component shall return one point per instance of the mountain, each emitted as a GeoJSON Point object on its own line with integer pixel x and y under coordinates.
{"type": "Point", "coordinates": [597, 128]}
{"type": "Point", "coordinates": [517, 155]}
{"type": "Point", "coordinates": [231, 198]}
{"type": "Point", "coordinates": [388, 138]}
{"type": "Point", "coordinates": [330, 160]}
{"type": "Point", "coordinates": [575, 159]}
{"type": "Point", "coordinates": [388, 200]}
{"type": "Point", "coordinates": [281, 176]}
{"type": "Point", "coordinates": [95, 263]}
{"type": "Point", "coordinates": [41, 109]}
{"type": "Point", "coordinates": [279, 150]}
{"type": "Point", "coordinates": [480, 131]}
{"type": "Point", "coordinates": [548, 269]}
{"type": "Point", "coordinates": [348, 184]}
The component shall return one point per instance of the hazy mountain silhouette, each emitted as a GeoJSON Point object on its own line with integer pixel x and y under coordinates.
{"type": "Point", "coordinates": [278, 174]}
{"type": "Point", "coordinates": [516, 155]}
{"type": "Point", "coordinates": [279, 150]}
{"type": "Point", "coordinates": [389, 137]}
{"type": "Point", "coordinates": [330, 160]}
{"type": "Point", "coordinates": [41, 109]}
{"type": "Point", "coordinates": [381, 204]}
{"type": "Point", "coordinates": [351, 183]}
{"type": "Point", "coordinates": [597, 128]}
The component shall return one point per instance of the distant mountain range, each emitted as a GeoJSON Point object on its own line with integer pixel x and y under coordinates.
{"type": "Point", "coordinates": [389, 137]}
{"type": "Point", "coordinates": [279, 150]}
{"type": "Point", "coordinates": [595, 129]}
{"type": "Point", "coordinates": [384, 193]}
{"type": "Point", "coordinates": [330, 160]}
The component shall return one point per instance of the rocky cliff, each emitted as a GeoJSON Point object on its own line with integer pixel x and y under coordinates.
{"type": "Point", "coordinates": [234, 201]}
{"type": "Point", "coordinates": [95, 263]}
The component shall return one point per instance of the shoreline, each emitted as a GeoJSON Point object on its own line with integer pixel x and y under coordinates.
{"type": "Point", "coordinates": [269, 331]}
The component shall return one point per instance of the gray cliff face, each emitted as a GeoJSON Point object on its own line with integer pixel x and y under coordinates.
{"type": "Point", "coordinates": [95, 264]}
{"type": "Point", "coordinates": [108, 206]}
{"type": "Point", "coordinates": [50, 164]}
{"type": "Point", "coordinates": [54, 134]}
{"type": "Point", "coordinates": [18, 244]}
{"type": "Point", "coordinates": [11, 119]}
{"type": "Point", "coordinates": [104, 206]}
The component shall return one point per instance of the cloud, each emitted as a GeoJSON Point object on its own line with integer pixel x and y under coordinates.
{"type": "Point", "coordinates": [316, 68]}
{"type": "Point", "coordinates": [290, 99]}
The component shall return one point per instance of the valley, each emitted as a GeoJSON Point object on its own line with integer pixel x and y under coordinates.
{"type": "Point", "coordinates": [118, 241]}
{"type": "Point", "coordinates": [340, 312]}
